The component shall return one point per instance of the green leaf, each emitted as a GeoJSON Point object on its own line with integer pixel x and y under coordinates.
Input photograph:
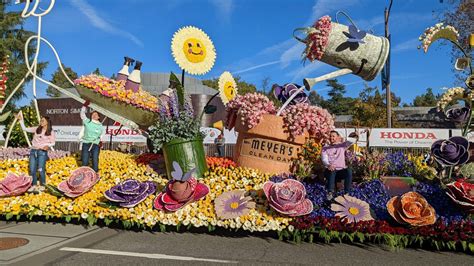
{"type": "Point", "coordinates": [178, 226]}
{"type": "Point", "coordinates": [54, 190]}
{"type": "Point", "coordinates": [471, 247]}
{"type": "Point", "coordinates": [464, 245]}
{"type": "Point", "coordinates": [210, 109]}
{"type": "Point", "coordinates": [18, 216]}
{"type": "Point", "coordinates": [8, 216]}
{"type": "Point", "coordinates": [162, 228]}
{"type": "Point", "coordinates": [311, 238]}
{"type": "Point", "coordinates": [360, 236]}
{"type": "Point", "coordinates": [91, 219]}
{"type": "Point", "coordinates": [107, 204]}
{"type": "Point", "coordinates": [107, 221]}
{"type": "Point", "coordinates": [176, 84]}
{"type": "Point", "coordinates": [67, 218]}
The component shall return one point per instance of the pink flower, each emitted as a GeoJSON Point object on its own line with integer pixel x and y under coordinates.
{"type": "Point", "coordinates": [288, 197]}
{"type": "Point", "coordinates": [14, 185]}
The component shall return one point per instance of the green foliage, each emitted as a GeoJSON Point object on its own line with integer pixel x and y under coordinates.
{"type": "Point", "coordinates": [97, 72]}
{"type": "Point", "coordinates": [184, 127]}
{"type": "Point", "coordinates": [243, 87]}
{"type": "Point", "coordinates": [176, 84]}
{"type": "Point", "coordinates": [426, 99]}
{"type": "Point", "coordinates": [17, 138]}
{"type": "Point", "coordinates": [13, 42]}
{"type": "Point", "coordinates": [370, 109]}
{"type": "Point", "coordinates": [337, 103]}
{"type": "Point", "coordinates": [467, 171]}
{"type": "Point", "coordinates": [316, 99]}
{"type": "Point", "coordinates": [60, 80]}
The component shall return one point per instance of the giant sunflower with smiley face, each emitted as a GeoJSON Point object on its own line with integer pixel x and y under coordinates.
{"type": "Point", "coordinates": [193, 50]}
{"type": "Point", "coordinates": [227, 87]}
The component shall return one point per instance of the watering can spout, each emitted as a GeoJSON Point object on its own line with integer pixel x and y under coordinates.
{"type": "Point", "coordinates": [309, 82]}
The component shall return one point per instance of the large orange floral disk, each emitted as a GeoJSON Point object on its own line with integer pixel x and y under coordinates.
{"type": "Point", "coordinates": [411, 208]}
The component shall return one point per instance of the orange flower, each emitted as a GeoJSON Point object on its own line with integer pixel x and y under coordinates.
{"type": "Point", "coordinates": [411, 208]}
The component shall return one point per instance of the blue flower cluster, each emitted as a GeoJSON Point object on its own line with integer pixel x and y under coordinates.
{"type": "Point", "coordinates": [375, 194]}
{"type": "Point", "coordinates": [398, 164]}
{"type": "Point", "coordinates": [443, 205]}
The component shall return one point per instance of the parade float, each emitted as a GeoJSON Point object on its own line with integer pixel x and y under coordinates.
{"type": "Point", "coordinates": [232, 197]}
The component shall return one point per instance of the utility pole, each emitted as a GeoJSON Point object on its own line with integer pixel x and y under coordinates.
{"type": "Point", "coordinates": [386, 69]}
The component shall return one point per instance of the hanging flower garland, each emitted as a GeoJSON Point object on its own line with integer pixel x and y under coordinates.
{"type": "Point", "coordinates": [3, 79]}
{"type": "Point", "coordinates": [193, 50]}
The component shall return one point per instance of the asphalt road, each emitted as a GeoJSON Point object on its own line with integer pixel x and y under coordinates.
{"type": "Point", "coordinates": [117, 247]}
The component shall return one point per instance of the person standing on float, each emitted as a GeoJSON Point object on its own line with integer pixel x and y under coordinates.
{"type": "Point", "coordinates": [43, 140]}
{"type": "Point", "coordinates": [93, 130]}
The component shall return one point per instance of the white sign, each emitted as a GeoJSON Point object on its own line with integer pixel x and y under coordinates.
{"type": "Point", "coordinates": [406, 137]}
{"type": "Point", "coordinates": [212, 133]}
{"type": "Point", "coordinates": [71, 133]}
{"type": "Point", "coordinates": [124, 134]}
{"type": "Point", "coordinates": [344, 132]}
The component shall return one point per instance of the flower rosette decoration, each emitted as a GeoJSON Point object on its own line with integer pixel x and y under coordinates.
{"type": "Point", "coordinates": [250, 107]}
{"type": "Point", "coordinates": [302, 116]}
{"type": "Point", "coordinates": [233, 204]}
{"type": "Point", "coordinates": [193, 50]}
{"type": "Point", "coordinates": [288, 197]}
{"type": "Point", "coordinates": [130, 192]}
{"type": "Point", "coordinates": [227, 87]}
{"type": "Point", "coordinates": [458, 115]}
{"type": "Point", "coordinates": [351, 209]}
{"type": "Point", "coordinates": [79, 182]}
{"type": "Point", "coordinates": [283, 93]}
{"type": "Point", "coordinates": [14, 185]}
{"type": "Point", "coordinates": [177, 194]}
{"type": "Point", "coordinates": [451, 152]}
{"type": "Point", "coordinates": [411, 208]}
{"type": "Point", "coordinates": [462, 193]}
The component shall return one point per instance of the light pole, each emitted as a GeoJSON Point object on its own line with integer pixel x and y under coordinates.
{"type": "Point", "coordinates": [386, 69]}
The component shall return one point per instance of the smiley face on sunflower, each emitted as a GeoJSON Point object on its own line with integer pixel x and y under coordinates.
{"type": "Point", "coordinates": [227, 87]}
{"type": "Point", "coordinates": [193, 50]}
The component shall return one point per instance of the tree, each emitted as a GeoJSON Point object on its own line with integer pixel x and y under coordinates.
{"type": "Point", "coordinates": [60, 80]}
{"type": "Point", "coordinates": [13, 39]}
{"type": "Point", "coordinates": [96, 71]}
{"type": "Point", "coordinates": [338, 104]}
{"type": "Point", "coordinates": [426, 99]}
{"type": "Point", "coordinates": [243, 87]}
{"type": "Point", "coordinates": [459, 14]}
{"type": "Point", "coordinates": [316, 99]}
{"type": "Point", "coordinates": [370, 108]}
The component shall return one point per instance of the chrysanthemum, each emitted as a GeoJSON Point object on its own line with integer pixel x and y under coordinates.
{"type": "Point", "coordinates": [351, 209]}
{"type": "Point", "coordinates": [227, 87]}
{"type": "Point", "coordinates": [193, 50]}
{"type": "Point", "coordinates": [232, 204]}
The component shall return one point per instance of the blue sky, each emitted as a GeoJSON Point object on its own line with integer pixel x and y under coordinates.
{"type": "Point", "coordinates": [253, 38]}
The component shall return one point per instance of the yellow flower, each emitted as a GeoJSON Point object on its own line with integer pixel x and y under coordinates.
{"type": "Point", "coordinates": [227, 87]}
{"type": "Point", "coordinates": [193, 50]}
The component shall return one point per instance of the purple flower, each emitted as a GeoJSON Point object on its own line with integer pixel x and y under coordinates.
{"type": "Point", "coordinates": [130, 192]}
{"type": "Point", "coordinates": [459, 115]}
{"type": "Point", "coordinates": [351, 209]}
{"type": "Point", "coordinates": [233, 204]}
{"type": "Point", "coordinates": [451, 152]}
{"type": "Point", "coordinates": [283, 93]}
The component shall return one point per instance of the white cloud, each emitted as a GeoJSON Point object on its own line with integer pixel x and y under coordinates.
{"type": "Point", "coordinates": [410, 44]}
{"type": "Point", "coordinates": [224, 8]}
{"type": "Point", "coordinates": [101, 23]}
{"type": "Point", "coordinates": [256, 67]}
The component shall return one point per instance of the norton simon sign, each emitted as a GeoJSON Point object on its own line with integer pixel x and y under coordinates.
{"type": "Point", "coordinates": [406, 137]}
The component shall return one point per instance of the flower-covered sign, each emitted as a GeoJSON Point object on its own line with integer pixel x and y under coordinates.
{"type": "Point", "coordinates": [193, 50]}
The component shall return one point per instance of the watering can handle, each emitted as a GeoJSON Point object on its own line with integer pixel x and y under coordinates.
{"type": "Point", "coordinates": [298, 38]}
{"type": "Point", "coordinates": [347, 16]}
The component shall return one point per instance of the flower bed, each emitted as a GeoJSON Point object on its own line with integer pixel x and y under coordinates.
{"type": "Point", "coordinates": [452, 229]}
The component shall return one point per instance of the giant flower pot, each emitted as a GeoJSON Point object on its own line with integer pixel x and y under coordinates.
{"type": "Point", "coordinates": [266, 146]}
{"type": "Point", "coordinates": [188, 154]}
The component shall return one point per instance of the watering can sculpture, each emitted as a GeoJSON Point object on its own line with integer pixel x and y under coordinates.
{"type": "Point", "coordinates": [348, 48]}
